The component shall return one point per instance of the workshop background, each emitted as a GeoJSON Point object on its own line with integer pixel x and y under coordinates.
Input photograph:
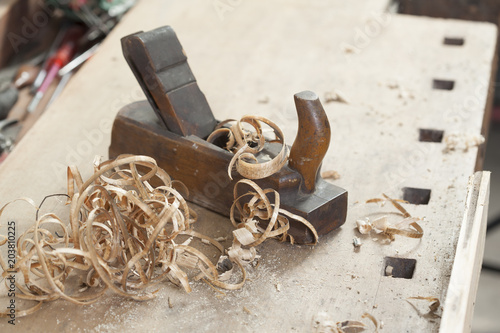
{"type": "Point", "coordinates": [97, 18]}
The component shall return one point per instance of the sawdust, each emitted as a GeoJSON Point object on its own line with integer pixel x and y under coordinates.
{"type": "Point", "coordinates": [330, 174]}
{"type": "Point", "coordinates": [245, 138]}
{"type": "Point", "coordinates": [323, 323]}
{"type": "Point", "coordinates": [406, 226]}
{"type": "Point", "coordinates": [349, 49]}
{"type": "Point", "coordinates": [462, 141]}
{"type": "Point", "coordinates": [336, 96]}
{"type": "Point", "coordinates": [263, 100]}
{"type": "Point", "coordinates": [433, 305]}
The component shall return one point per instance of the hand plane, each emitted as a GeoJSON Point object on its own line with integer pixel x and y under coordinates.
{"type": "Point", "coordinates": [174, 122]}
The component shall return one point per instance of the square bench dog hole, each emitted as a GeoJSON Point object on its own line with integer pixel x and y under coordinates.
{"type": "Point", "coordinates": [399, 267]}
{"type": "Point", "coordinates": [416, 196]}
{"type": "Point", "coordinates": [430, 135]}
{"type": "Point", "coordinates": [454, 41]}
{"type": "Point", "coordinates": [443, 84]}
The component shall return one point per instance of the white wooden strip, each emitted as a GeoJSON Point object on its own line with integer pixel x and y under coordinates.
{"type": "Point", "coordinates": [459, 304]}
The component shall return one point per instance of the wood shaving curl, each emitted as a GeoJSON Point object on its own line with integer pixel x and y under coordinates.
{"type": "Point", "coordinates": [434, 305]}
{"type": "Point", "coordinates": [247, 143]}
{"type": "Point", "coordinates": [407, 227]}
{"type": "Point", "coordinates": [322, 323]}
{"type": "Point", "coordinates": [372, 319]}
{"type": "Point", "coordinates": [255, 209]}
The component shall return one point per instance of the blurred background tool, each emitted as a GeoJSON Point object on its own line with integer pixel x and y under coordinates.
{"type": "Point", "coordinates": [36, 71]}
{"type": "Point", "coordinates": [6, 142]}
{"type": "Point", "coordinates": [10, 94]}
{"type": "Point", "coordinates": [77, 61]}
{"type": "Point", "coordinates": [53, 48]}
{"type": "Point", "coordinates": [62, 57]}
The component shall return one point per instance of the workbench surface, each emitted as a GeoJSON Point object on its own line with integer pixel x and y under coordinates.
{"type": "Point", "coordinates": [250, 57]}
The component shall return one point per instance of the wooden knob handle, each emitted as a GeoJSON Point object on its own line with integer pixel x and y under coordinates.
{"type": "Point", "coordinates": [312, 141]}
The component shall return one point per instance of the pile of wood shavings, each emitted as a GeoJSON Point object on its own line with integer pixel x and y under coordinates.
{"type": "Point", "coordinates": [123, 233]}
{"type": "Point", "coordinates": [407, 227]}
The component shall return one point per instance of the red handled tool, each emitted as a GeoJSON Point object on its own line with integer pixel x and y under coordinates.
{"type": "Point", "coordinates": [61, 57]}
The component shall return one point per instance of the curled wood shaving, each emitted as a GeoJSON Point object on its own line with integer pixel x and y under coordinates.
{"type": "Point", "coordinates": [247, 143]}
{"type": "Point", "coordinates": [350, 325]}
{"type": "Point", "coordinates": [261, 219]}
{"type": "Point", "coordinates": [407, 227]}
{"type": "Point", "coordinates": [434, 304]}
{"type": "Point", "coordinates": [373, 320]}
{"type": "Point", "coordinates": [323, 323]}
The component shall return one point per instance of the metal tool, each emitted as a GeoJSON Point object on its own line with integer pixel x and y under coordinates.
{"type": "Point", "coordinates": [79, 60]}
{"type": "Point", "coordinates": [172, 125]}
{"type": "Point", "coordinates": [63, 55]}
{"type": "Point", "coordinates": [53, 48]}
{"type": "Point", "coordinates": [9, 96]}
{"type": "Point", "coordinates": [60, 87]}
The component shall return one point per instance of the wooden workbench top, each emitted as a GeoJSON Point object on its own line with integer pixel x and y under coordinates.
{"type": "Point", "coordinates": [250, 58]}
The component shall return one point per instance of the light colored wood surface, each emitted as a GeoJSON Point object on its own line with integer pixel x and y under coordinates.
{"type": "Point", "coordinates": [271, 50]}
{"type": "Point", "coordinates": [459, 305]}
